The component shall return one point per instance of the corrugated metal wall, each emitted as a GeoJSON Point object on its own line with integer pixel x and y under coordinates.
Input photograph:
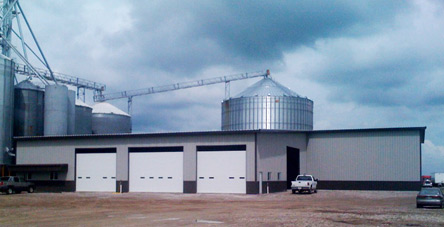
{"type": "Point", "coordinates": [364, 156]}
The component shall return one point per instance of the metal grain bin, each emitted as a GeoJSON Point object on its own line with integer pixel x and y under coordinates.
{"type": "Point", "coordinates": [28, 109]}
{"type": "Point", "coordinates": [108, 119]}
{"type": "Point", "coordinates": [71, 112]}
{"type": "Point", "coordinates": [83, 118]}
{"type": "Point", "coordinates": [56, 110]}
{"type": "Point", "coordinates": [6, 107]}
{"type": "Point", "coordinates": [267, 105]}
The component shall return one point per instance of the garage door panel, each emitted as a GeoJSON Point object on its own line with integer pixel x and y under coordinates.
{"type": "Point", "coordinates": [221, 172]}
{"type": "Point", "coordinates": [96, 172]}
{"type": "Point", "coordinates": [156, 172]}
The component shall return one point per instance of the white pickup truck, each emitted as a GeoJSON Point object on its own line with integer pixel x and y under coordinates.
{"type": "Point", "coordinates": [304, 183]}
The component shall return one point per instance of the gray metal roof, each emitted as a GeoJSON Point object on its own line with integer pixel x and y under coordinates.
{"type": "Point", "coordinates": [420, 129]}
{"type": "Point", "coordinates": [26, 84]}
{"type": "Point", "coordinates": [267, 87]}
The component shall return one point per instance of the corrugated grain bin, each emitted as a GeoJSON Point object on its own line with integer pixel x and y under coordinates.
{"type": "Point", "coordinates": [71, 112]}
{"type": "Point", "coordinates": [108, 119]}
{"type": "Point", "coordinates": [267, 105]}
{"type": "Point", "coordinates": [56, 110]}
{"type": "Point", "coordinates": [28, 109]}
{"type": "Point", "coordinates": [83, 118]}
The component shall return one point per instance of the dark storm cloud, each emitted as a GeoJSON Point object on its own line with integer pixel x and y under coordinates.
{"type": "Point", "coordinates": [262, 30]}
{"type": "Point", "coordinates": [186, 36]}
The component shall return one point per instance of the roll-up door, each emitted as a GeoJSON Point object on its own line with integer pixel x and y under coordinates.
{"type": "Point", "coordinates": [156, 169]}
{"type": "Point", "coordinates": [96, 172]}
{"type": "Point", "coordinates": [221, 169]}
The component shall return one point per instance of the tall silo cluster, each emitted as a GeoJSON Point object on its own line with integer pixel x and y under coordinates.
{"type": "Point", "coordinates": [55, 111]}
{"type": "Point", "coordinates": [267, 105]}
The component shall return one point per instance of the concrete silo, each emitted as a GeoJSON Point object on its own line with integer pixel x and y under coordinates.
{"type": "Point", "coordinates": [56, 110]}
{"type": "Point", "coordinates": [108, 119]}
{"type": "Point", "coordinates": [267, 105]}
{"type": "Point", "coordinates": [83, 118]}
{"type": "Point", "coordinates": [28, 109]}
{"type": "Point", "coordinates": [6, 107]}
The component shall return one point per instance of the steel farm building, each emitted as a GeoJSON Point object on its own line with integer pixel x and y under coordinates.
{"type": "Point", "coordinates": [267, 138]}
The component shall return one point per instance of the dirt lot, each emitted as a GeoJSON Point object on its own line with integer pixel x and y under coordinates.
{"type": "Point", "coordinates": [326, 208]}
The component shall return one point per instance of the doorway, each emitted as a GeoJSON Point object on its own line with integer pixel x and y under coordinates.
{"type": "Point", "coordinates": [292, 165]}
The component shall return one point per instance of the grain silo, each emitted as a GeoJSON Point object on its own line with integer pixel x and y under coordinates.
{"type": "Point", "coordinates": [71, 112]}
{"type": "Point", "coordinates": [56, 110]}
{"type": "Point", "coordinates": [6, 107]}
{"type": "Point", "coordinates": [267, 105]}
{"type": "Point", "coordinates": [28, 109]}
{"type": "Point", "coordinates": [83, 118]}
{"type": "Point", "coordinates": [108, 119]}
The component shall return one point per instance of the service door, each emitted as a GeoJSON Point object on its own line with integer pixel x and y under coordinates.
{"type": "Point", "coordinates": [96, 172]}
{"type": "Point", "coordinates": [221, 172]}
{"type": "Point", "coordinates": [156, 172]}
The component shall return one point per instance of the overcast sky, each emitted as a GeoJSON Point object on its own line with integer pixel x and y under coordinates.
{"type": "Point", "coordinates": [365, 64]}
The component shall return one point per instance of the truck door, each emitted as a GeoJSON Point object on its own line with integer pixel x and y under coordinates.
{"type": "Point", "coordinates": [17, 184]}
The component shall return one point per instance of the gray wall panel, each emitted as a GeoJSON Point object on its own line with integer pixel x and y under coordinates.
{"type": "Point", "coordinates": [365, 156]}
{"type": "Point", "coordinates": [303, 161]}
{"type": "Point", "coordinates": [41, 152]}
{"type": "Point", "coordinates": [122, 163]}
{"type": "Point", "coordinates": [189, 162]}
{"type": "Point", "coordinates": [272, 152]}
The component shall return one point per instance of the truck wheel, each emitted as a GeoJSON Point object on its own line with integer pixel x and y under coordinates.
{"type": "Point", "coordinates": [293, 191]}
{"type": "Point", "coordinates": [31, 190]}
{"type": "Point", "coordinates": [9, 191]}
{"type": "Point", "coordinates": [316, 191]}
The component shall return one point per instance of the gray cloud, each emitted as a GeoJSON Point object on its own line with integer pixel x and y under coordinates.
{"type": "Point", "coordinates": [184, 37]}
{"type": "Point", "coordinates": [397, 66]}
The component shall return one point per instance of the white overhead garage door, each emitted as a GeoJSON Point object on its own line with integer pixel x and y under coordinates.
{"type": "Point", "coordinates": [96, 172]}
{"type": "Point", "coordinates": [156, 171]}
{"type": "Point", "coordinates": [221, 172]}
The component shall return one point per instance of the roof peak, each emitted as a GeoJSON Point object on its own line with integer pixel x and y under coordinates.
{"type": "Point", "coordinates": [267, 87]}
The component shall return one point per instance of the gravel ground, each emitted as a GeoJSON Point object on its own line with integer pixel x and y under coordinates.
{"type": "Point", "coordinates": [326, 208]}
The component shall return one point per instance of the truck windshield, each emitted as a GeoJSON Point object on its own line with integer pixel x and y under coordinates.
{"type": "Point", "coordinates": [305, 178]}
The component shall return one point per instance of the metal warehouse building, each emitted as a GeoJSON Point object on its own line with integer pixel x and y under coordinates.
{"type": "Point", "coordinates": [247, 162]}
